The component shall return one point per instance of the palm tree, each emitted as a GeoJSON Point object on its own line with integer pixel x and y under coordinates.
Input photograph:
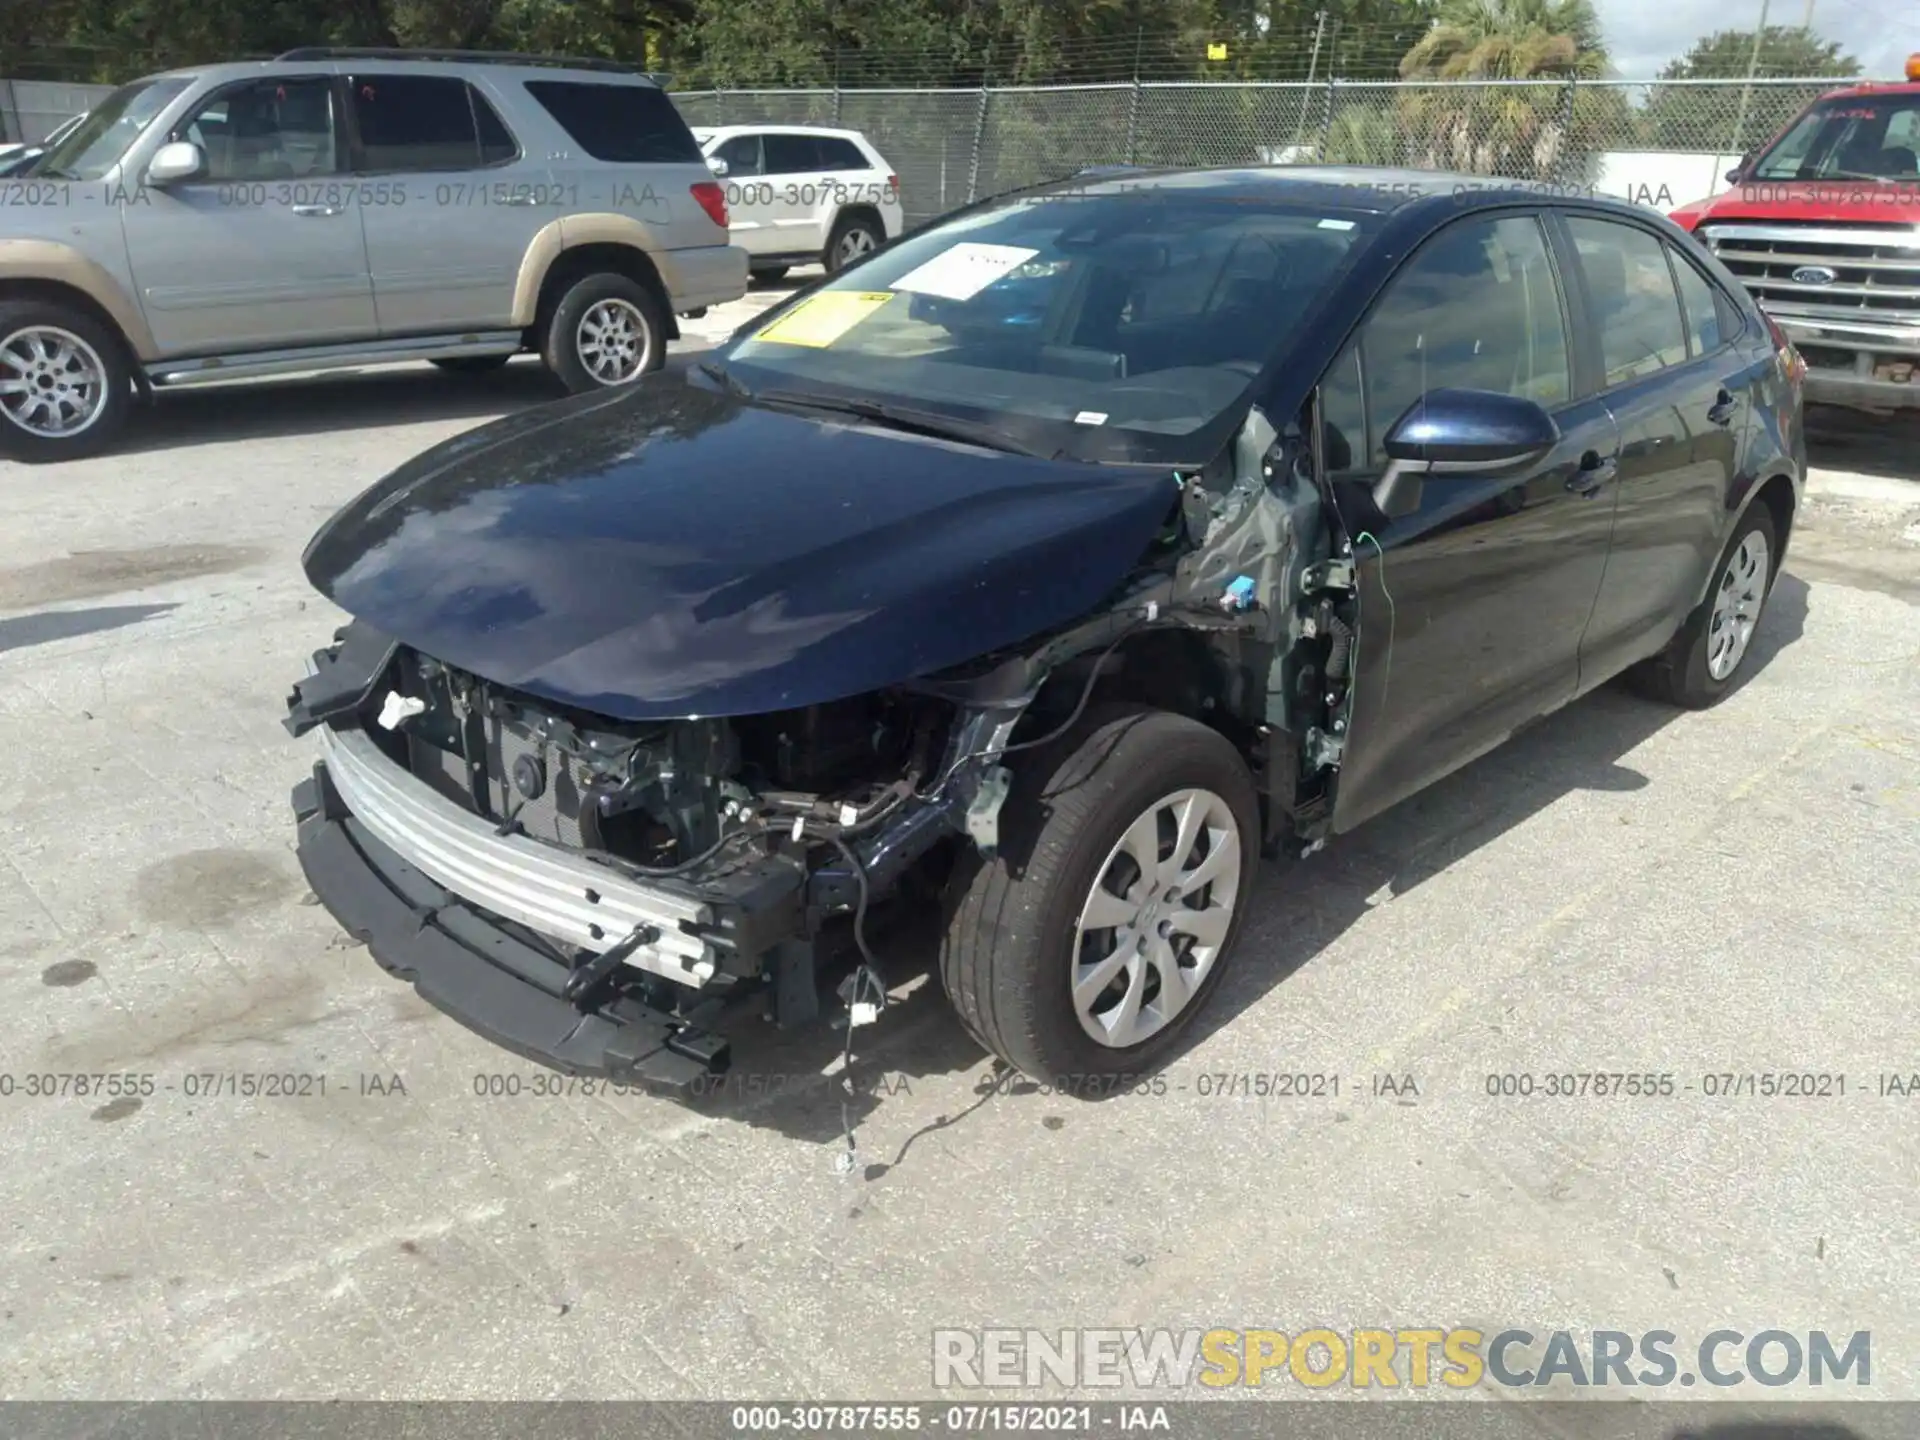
{"type": "Point", "coordinates": [1494, 128]}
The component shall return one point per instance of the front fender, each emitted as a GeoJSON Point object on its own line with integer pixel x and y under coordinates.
{"type": "Point", "coordinates": [53, 262]}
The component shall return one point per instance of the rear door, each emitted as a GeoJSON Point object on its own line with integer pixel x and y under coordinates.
{"type": "Point", "coordinates": [1471, 609]}
{"type": "Point", "coordinates": [800, 208]}
{"type": "Point", "coordinates": [1679, 389]}
{"type": "Point", "coordinates": [449, 201]}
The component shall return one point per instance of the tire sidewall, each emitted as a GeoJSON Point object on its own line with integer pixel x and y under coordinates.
{"type": "Point", "coordinates": [1141, 773]}
{"type": "Point", "coordinates": [17, 444]}
{"type": "Point", "coordinates": [1695, 678]}
{"type": "Point", "coordinates": [562, 348]}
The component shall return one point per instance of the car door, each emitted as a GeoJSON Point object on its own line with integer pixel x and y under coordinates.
{"type": "Point", "coordinates": [1472, 607]}
{"type": "Point", "coordinates": [798, 211]}
{"type": "Point", "coordinates": [451, 201]}
{"type": "Point", "coordinates": [749, 195]}
{"type": "Point", "coordinates": [1680, 393]}
{"type": "Point", "coordinates": [259, 250]}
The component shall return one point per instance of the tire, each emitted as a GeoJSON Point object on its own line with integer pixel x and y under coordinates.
{"type": "Point", "coordinates": [773, 274]}
{"type": "Point", "coordinates": [610, 297]}
{"type": "Point", "coordinates": [1692, 672]}
{"type": "Point", "coordinates": [854, 237]}
{"type": "Point", "coordinates": [472, 364]}
{"type": "Point", "coordinates": [1014, 939]}
{"type": "Point", "coordinates": [86, 381]}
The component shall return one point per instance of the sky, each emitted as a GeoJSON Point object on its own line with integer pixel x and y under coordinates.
{"type": "Point", "coordinates": [1643, 35]}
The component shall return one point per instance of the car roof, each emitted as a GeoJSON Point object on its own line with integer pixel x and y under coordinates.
{"type": "Point", "coordinates": [708, 132]}
{"type": "Point", "coordinates": [1370, 189]}
{"type": "Point", "coordinates": [354, 64]}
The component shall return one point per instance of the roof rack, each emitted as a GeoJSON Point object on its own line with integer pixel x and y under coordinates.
{"type": "Point", "coordinates": [471, 57]}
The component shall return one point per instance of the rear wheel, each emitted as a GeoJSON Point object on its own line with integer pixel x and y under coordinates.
{"type": "Point", "coordinates": [1103, 925]}
{"type": "Point", "coordinates": [1701, 663]}
{"type": "Point", "coordinates": [65, 384]}
{"type": "Point", "coordinates": [608, 330]}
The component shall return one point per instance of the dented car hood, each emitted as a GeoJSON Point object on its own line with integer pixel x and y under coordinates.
{"type": "Point", "coordinates": [673, 551]}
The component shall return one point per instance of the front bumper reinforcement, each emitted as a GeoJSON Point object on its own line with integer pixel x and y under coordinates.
{"type": "Point", "coordinates": [476, 969]}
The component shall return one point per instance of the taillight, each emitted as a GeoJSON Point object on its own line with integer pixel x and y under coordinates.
{"type": "Point", "coordinates": [1796, 363]}
{"type": "Point", "coordinates": [713, 200]}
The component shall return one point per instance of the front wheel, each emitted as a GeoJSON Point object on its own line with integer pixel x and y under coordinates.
{"type": "Point", "coordinates": [1103, 925]}
{"type": "Point", "coordinates": [607, 330]}
{"type": "Point", "coordinates": [854, 238]}
{"type": "Point", "coordinates": [65, 388]}
{"type": "Point", "coordinates": [1699, 666]}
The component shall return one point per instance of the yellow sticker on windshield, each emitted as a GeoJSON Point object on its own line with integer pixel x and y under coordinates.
{"type": "Point", "coordinates": [820, 321]}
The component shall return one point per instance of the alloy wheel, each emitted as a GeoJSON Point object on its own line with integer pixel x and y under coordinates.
{"type": "Point", "coordinates": [613, 341]}
{"type": "Point", "coordinates": [53, 384]}
{"type": "Point", "coordinates": [856, 242]}
{"type": "Point", "coordinates": [1737, 601]}
{"type": "Point", "coordinates": [1157, 918]}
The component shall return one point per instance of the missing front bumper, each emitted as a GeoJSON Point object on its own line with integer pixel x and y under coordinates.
{"type": "Point", "coordinates": [471, 967]}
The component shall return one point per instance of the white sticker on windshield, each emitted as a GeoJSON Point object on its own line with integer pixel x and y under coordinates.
{"type": "Point", "coordinates": [964, 271]}
{"type": "Point", "coordinates": [1091, 417]}
{"type": "Point", "coordinates": [1336, 224]}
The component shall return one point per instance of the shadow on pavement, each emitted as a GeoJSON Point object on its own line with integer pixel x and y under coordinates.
{"type": "Point", "coordinates": [24, 630]}
{"type": "Point", "coordinates": [778, 1084]}
{"type": "Point", "coordinates": [1849, 441]}
{"type": "Point", "coordinates": [346, 400]}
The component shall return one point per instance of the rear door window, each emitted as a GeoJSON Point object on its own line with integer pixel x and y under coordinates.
{"type": "Point", "coordinates": [792, 154]}
{"type": "Point", "coordinates": [618, 124]}
{"type": "Point", "coordinates": [1706, 309]}
{"type": "Point", "coordinates": [1632, 297]}
{"type": "Point", "coordinates": [413, 123]}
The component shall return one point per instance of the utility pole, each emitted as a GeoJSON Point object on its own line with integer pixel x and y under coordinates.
{"type": "Point", "coordinates": [1753, 68]}
{"type": "Point", "coordinates": [1313, 69]}
{"type": "Point", "coordinates": [1807, 24]}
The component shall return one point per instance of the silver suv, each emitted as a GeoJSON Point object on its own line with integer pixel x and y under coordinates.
{"type": "Point", "coordinates": [346, 207]}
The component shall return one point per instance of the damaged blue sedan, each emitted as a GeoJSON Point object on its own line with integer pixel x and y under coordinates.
{"type": "Point", "coordinates": [1052, 564]}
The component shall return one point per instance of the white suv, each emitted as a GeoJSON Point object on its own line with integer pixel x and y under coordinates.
{"type": "Point", "coordinates": [799, 195]}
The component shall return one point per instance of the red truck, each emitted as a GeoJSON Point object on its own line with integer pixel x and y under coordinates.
{"type": "Point", "coordinates": [1823, 226]}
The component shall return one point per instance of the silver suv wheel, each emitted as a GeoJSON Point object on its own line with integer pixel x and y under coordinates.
{"type": "Point", "coordinates": [614, 341]}
{"type": "Point", "coordinates": [53, 384]}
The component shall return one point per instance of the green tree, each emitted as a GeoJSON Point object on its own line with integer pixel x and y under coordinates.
{"type": "Point", "coordinates": [1704, 117]}
{"type": "Point", "coordinates": [1522, 131]}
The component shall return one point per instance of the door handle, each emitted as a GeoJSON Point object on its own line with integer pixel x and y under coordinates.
{"type": "Point", "coordinates": [1725, 406]}
{"type": "Point", "coordinates": [1595, 470]}
{"type": "Point", "coordinates": [310, 212]}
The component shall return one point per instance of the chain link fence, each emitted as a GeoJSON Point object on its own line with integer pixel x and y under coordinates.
{"type": "Point", "coordinates": [953, 146]}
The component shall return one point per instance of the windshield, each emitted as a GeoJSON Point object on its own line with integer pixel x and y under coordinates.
{"type": "Point", "coordinates": [1105, 326]}
{"type": "Point", "coordinates": [1860, 137]}
{"type": "Point", "coordinates": [95, 145]}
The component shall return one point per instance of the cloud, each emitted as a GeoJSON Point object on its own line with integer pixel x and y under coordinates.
{"type": "Point", "coordinates": [1643, 37]}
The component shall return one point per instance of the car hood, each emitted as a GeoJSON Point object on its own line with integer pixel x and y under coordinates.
{"type": "Point", "coordinates": [672, 551]}
{"type": "Point", "coordinates": [1885, 202]}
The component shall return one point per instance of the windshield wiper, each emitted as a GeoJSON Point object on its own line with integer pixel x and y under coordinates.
{"type": "Point", "coordinates": [714, 370]}
{"type": "Point", "coordinates": [899, 417]}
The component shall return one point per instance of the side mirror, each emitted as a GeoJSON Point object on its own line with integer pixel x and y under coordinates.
{"type": "Point", "coordinates": [717, 166]}
{"type": "Point", "coordinates": [1734, 175]}
{"type": "Point", "coordinates": [1455, 432]}
{"type": "Point", "coordinates": [176, 161]}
